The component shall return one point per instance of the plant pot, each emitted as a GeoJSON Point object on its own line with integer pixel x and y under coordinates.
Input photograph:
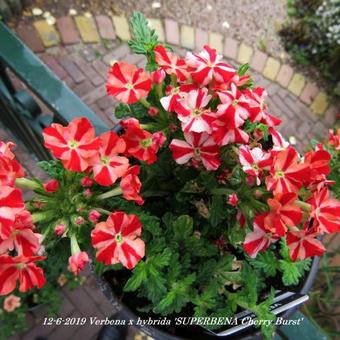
{"type": "Point", "coordinates": [284, 308]}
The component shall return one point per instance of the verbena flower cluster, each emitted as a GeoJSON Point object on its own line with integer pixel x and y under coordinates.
{"type": "Point", "coordinates": [203, 125]}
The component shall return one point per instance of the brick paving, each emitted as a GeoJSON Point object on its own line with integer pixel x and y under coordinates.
{"type": "Point", "coordinates": [82, 60]}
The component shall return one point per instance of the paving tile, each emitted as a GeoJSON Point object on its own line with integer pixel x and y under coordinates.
{"type": "Point", "coordinates": [94, 95]}
{"type": "Point", "coordinates": [259, 60]}
{"type": "Point", "coordinates": [201, 39]}
{"type": "Point", "coordinates": [121, 27]}
{"type": "Point", "coordinates": [47, 33]}
{"type": "Point", "coordinates": [65, 332]}
{"type": "Point", "coordinates": [105, 27]}
{"type": "Point", "coordinates": [95, 78]}
{"type": "Point", "coordinates": [216, 41]}
{"type": "Point", "coordinates": [296, 84]}
{"type": "Point", "coordinates": [157, 25]}
{"type": "Point", "coordinates": [67, 30]}
{"type": "Point", "coordinates": [87, 331]}
{"type": "Point", "coordinates": [101, 68]}
{"type": "Point", "coordinates": [87, 29]}
{"type": "Point", "coordinates": [52, 63]}
{"type": "Point", "coordinates": [171, 32]}
{"type": "Point", "coordinates": [66, 308]}
{"type": "Point", "coordinates": [72, 69]}
{"type": "Point", "coordinates": [30, 38]}
{"type": "Point", "coordinates": [320, 103]}
{"type": "Point", "coordinates": [285, 75]}
{"type": "Point", "coordinates": [105, 103]}
{"type": "Point", "coordinates": [187, 37]}
{"type": "Point", "coordinates": [319, 131]}
{"type": "Point", "coordinates": [230, 48]}
{"type": "Point", "coordinates": [331, 115]}
{"type": "Point", "coordinates": [271, 68]}
{"type": "Point", "coordinates": [244, 53]}
{"type": "Point", "coordinates": [308, 93]}
{"type": "Point", "coordinates": [83, 88]}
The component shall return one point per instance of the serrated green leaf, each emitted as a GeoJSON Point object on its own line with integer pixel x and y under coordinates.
{"type": "Point", "coordinates": [216, 210]}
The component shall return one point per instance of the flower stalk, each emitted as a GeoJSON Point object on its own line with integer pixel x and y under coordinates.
{"type": "Point", "coordinates": [114, 192]}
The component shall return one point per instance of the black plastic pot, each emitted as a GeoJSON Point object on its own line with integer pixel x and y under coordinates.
{"type": "Point", "coordinates": [285, 308]}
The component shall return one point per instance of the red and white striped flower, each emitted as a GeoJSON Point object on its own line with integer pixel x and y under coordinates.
{"type": "Point", "coordinates": [118, 240]}
{"type": "Point", "coordinates": [21, 236]}
{"type": "Point", "coordinates": [254, 161]}
{"type": "Point", "coordinates": [233, 199]}
{"type": "Point", "coordinates": [74, 144]}
{"type": "Point", "coordinates": [127, 83]}
{"type": "Point", "coordinates": [318, 162]}
{"type": "Point", "coordinates": [283, 213]}
{"type": "Point", "coordinates": [235, 100]}
{"type": "Point", "coordinates": [258, 109]}
{"type": "Point", "coordinates": [142, 144]}
{"type": "Point", "coordinates": [227, 127]}
{"type": "Point", "coordinates": [303, 244]}
{"type": "Point", "coordinates": [107, 165]}
{"type": "Point", "coordinates": [325, 211]}
{"type": "Point", "coordinates": [259, 239]}
{"type": "Point", "coordinates": [174, 94]}
{"type": "Point", "coordinates": [10, 169]}
{"type": "Point", "coordinates": [131, 185]}
{"type": "Point", "coordinates": [11, 204]}
{"type": "Point", "coordinates": [334, 139]}
{"type": "Point", "coordinates": [192, 113]}
{"type": "Point", "coordinates": [171, 63]}
{"type": "Point", "coordinates": [279, 143]}
{"type": "Point", "coordinates": [286, 174]}
{"type": "Point", "coordinates": [22, 269]}
{"type": "Point", "coordinates": [207, 66]}
{"type": "Point", "coordinates": [198, 146]}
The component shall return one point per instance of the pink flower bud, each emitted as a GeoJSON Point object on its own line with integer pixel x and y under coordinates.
{"type": "Point", "coordinates": [173, 127]}
{"type": "Point", "coordinates": [79, 220]}
{"type": "Point", "coordinates": [258, 193]}
{"type": "Point", "coordinates": [250, 180]}
{"type": "Point", "coordinates": [158, 76]}
{"type": "Point", "coordinates": [59, 229]}
{"type": "Point", "coordinates": [51, 186]}
{"type": "Point", "coordinates": [159, 138]}
{"type": "Point", "coordinates": [77, 262]}
{"type": "Point", "coordinates": [241, 218]}
{"type": "Point", "coordinates": [86, 182]}
{"type": "Point", "coordinates": [38, 205]}
{"type": "Point", "coordinates": [233, 199]}
{"type": "Point", "coordinates": [11, 303]}
{"type": "Point", "coordinates": [153, 111]}
{"type": "Point", "coordinates": [87, 193]}
{"type": "Point", "coordinates": [94, 216]}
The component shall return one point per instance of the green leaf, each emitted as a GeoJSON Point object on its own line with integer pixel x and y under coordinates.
{"type": "Point", "coordinates": [293, 271]}
{"type": "Point", "coordinates": [242, 70]}
{"type": "Point", "coordinates": [217, 211]}
{"type": "Point", "coordinates": [179, 295]}
{"type": "Point", "coordinates": [137, 279]}
{"type": "Point", "coordinates": [183, 227]}
{"type": "Point", "coordinates": [266, 262]}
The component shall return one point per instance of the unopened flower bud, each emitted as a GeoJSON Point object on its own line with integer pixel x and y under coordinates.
{"type": "Point", "coordinates": [86, 182]}
{"type": "Point", "coordinates": [94, 215]}
{"type": "Point", "coordinates": [79, 220]}
{"type": "Point", "coordinates": [51, 186]}
{"type": "Point", "coordinates": [233, 200]}
{"type": "Point", "coordinates": [59, 229]}
{"type": "Point", "coordinates": [87, 193]}
{"type": "Point", "coordinates": [173, 127]}
{"type": "Point", "coordinates": [158, 76]}
{"type": "Point", "coordinates": [250, 180]}
{"type": "Point", "coordinates": [153, 111]}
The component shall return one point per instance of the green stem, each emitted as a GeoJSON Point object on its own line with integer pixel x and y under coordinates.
{"type": "Point", "coordinates": [145, 102]}
{"type": "Point", "coordinates": [103, 211]}
{"type": "Point", "coordinates": [74, 245]}
{"type": "Point", "coordinates": [148, 127]}
{"type": "Point", "coordinates": [25, 183]}
{"type": "Point", "coordinates": [173, 79]}
{"type": "Point", "coordinates": [114, 192]}
{"type": "Point", "coordinates": [42, 216]}
{"type": "Point", "coordinates": [159, 90]}
{"type": "Point", "coordinates": [303, 205]}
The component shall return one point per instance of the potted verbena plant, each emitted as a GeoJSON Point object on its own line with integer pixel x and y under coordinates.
{"type": "Point", "coordinates": [195, 207]}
